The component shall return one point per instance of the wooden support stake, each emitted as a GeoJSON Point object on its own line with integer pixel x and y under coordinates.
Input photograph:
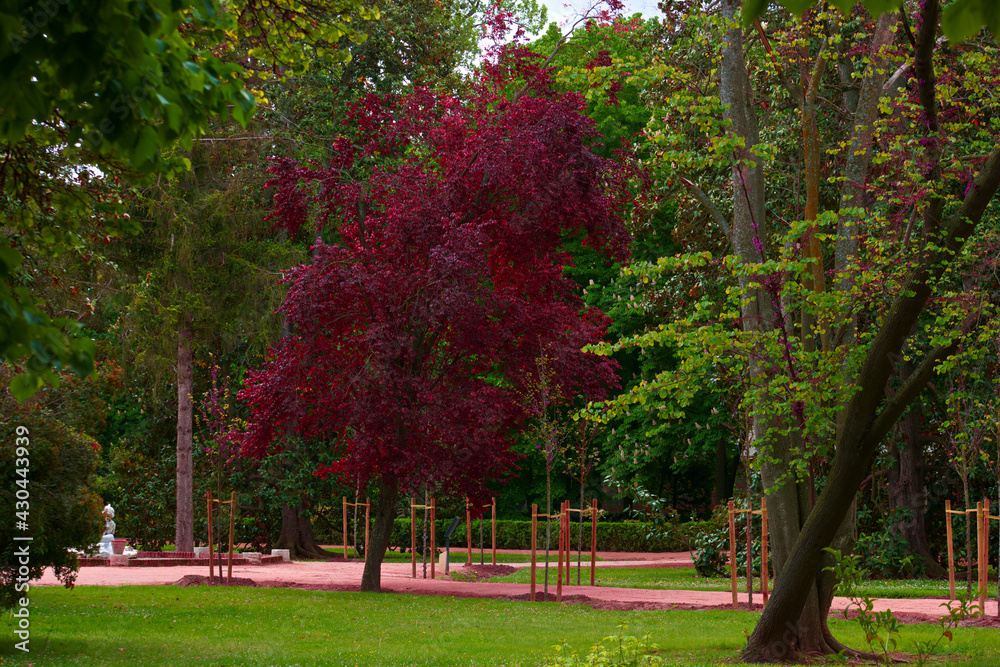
{"type": "Point", "coordinates": [413, 535]}
{"type": "Point", "coordinates": [566, 542]}
{"type": "Point", "coordinates": [368, 523]}
{"type": "Point", "coordinates": [232, 525]}
{"type": "Point", "coordinates": [979, 542]}
{"type": "Point", "coordinates": [494, 522]}
{"type": "Point", "coordinates": [534, 547]}
{"type": "Point", "coordinates": [211, 567]}
{"type": "Point", "coordinates": [763, 548]}
{"type": "Point", "coordinates": [732, 551]}
{"type": "Point", "coordinates": [562, 513]}
{"type": "Point", "coordinates": [468, 533]}
{"type": "Point", "coordinates": [951, 549]}
{"type": "Point", "coordinates": [593, 539]}
{"type": "Point", "coordinates": [433, 538]}
{"type": "Point", "coordinates": [983, 563]}
{"type": "Point", "coordinates": [345, 526]}
{"type": "Point", "coordinates": [749, 554]}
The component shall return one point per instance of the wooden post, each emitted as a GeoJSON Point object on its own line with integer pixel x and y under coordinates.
{"type": "Point", "coordinates": [562, 512]}
{"type": "Point", "coordinates": [749, 552]}
{"type": "Point", "coordinates": [732, 551]}
{"type": "Point", "coordinates": [951, 549]}
{"type": "Point", "coordinates": [232, 525]}
{"type": "Point", "coordinates": [345, 527]}
{"type": "Point", "coordinates": [211, 567]}
{"type": "Point", "coordinates": [979, 555]}
{"type": "Point", "coordinates": [494, 521]}
{"type": "Point", "coordinates": [534, 545]}
{"type": "Point", "coordinates": [413, 535]}
{"type": "Point", "coordinates": [468, 533]}
{"type": "Point", "coordinates": [368, 523]}
{"type": "Point", "coordinates": [984, 562]}
{"type": "Point", "coordinates": [763, 548]}
{"type": "Point", "coordinates": [593, 539]}
{"type": "Point", "coordinates": [433, 537]}
{"type": "Point", "coordinates": [564, 531]}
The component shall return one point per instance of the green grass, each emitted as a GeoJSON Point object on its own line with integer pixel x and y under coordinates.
{"type": "Point", "coordinates": [164, 625]}
{"type": "Point", "coordinates": [688, 579]}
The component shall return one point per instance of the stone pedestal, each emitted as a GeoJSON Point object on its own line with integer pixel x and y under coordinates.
{"type": "Point", "coordinates": [118, 560]}
{"type": "Point", "coordinates": [285, 554]}
{"type": "Point", "coordinates": [252, 557]}
{"type": "Point", "coordinates": [201, 552]}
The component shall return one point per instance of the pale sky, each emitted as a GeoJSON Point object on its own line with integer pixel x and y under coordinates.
{"type": "Point", "coordinates": [560, 10]}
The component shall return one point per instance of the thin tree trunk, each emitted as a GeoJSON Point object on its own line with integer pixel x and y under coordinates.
{"type": "Point", "coordinates": [548, 529]}
{"type": "Point", "coordinates": [968, 536]}
{"type": "Point", "coordinates": [184, 529]}
{"type": "Point", "coordinates": [381, 533]}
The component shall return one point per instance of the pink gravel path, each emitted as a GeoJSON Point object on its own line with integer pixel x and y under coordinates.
{"type": "Point", "coordinates": [341, 576]}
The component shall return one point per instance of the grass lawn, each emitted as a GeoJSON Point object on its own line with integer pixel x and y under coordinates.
{"type": "Point", "coordinates": [164, 625]}
{"type": "Point", "coordinates": [688, 579]}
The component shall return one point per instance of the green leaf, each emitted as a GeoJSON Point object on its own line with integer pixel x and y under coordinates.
{"type": "Point", "coordinates": [10, 261]}
{"type": "Point", "coordinates": [991, 16]}
{"type": "Point", "coordinates": [962, 19]}
{"type": "Point", "coordinates": [843, 5]}
{"type": "Point", "coordinates": [752, 9]}
{"type": "Point", "coordinates": [877, 7]}
{"type": "Point", "coordinates": [146, 147]}
{"type": "Point", "coordinates": [24, 386]}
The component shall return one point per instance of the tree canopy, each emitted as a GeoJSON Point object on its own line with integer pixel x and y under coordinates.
{"type": "Point", "coordinates": [414, 330]}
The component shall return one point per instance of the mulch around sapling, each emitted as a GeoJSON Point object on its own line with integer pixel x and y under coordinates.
{"type": "Point", "coordinates": [482, 572]}
{"type": "Point", "coordinates": [198, 580]}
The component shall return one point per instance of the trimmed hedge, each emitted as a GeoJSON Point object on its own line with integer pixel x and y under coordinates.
{"type": "Point", "coordinates": [629, 536]}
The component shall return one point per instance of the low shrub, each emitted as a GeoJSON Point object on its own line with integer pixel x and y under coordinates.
{"type": "Point", "coordinates": [627, 536]}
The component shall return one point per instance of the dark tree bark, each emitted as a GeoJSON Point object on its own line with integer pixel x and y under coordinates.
{"type": "Point", "coordinates": [184, 527]}
{"type": "Point", "coordinates": [297, 534]}
{"type": "Point", "coordinates": [719, 493]}
{"type": "Point", "coordinates": [907, 489]}
{"type": "Point", "coordinates": [385, 514]}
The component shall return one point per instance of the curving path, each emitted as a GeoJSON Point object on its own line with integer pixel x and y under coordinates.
{"type": "Point", "coordinates": [346, 576]}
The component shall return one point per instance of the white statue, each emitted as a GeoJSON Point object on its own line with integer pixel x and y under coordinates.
{"type": "Point", "coordinates": [104, 548]}
{"type": "Point", "coordinates": [109, 520]}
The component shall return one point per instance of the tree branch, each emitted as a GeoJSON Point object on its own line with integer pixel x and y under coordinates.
{"type": "Point", "coordinates": [709, 205]}
{"type": "Point", "coordinates": [915, 383]}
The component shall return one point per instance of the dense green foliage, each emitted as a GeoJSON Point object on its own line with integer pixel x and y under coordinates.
{"type": "Point", "coordinates": [47, 473]}
{"type": "Point", "coordinates": [632, 536]}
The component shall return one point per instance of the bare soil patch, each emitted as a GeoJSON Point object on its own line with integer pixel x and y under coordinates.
{"type": "Point", "coordinates": [199, 580]}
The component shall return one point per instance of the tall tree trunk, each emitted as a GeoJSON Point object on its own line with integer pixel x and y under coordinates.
{"type": "Point", "coordinates": [184, 527]}
{"type": "Point", "coordinates": [804, 631]}
{"type": "Point", "coordinates": [907, 489]}
{"type": "Point", "coordinates": [385, 514]}
{"type": "Point", "coordinates": [297, 534]}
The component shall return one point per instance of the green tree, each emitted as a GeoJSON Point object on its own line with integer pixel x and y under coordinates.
{"type": "Point", "coordinates": [89, 86]}
{"type": "Point", "coordinates": [818, 358]}
{"type": "Point", "coordinates": [48, 469]}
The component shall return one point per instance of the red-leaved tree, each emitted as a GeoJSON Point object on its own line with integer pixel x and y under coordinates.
{"type": "Point", "coordinates": [414, 333]}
